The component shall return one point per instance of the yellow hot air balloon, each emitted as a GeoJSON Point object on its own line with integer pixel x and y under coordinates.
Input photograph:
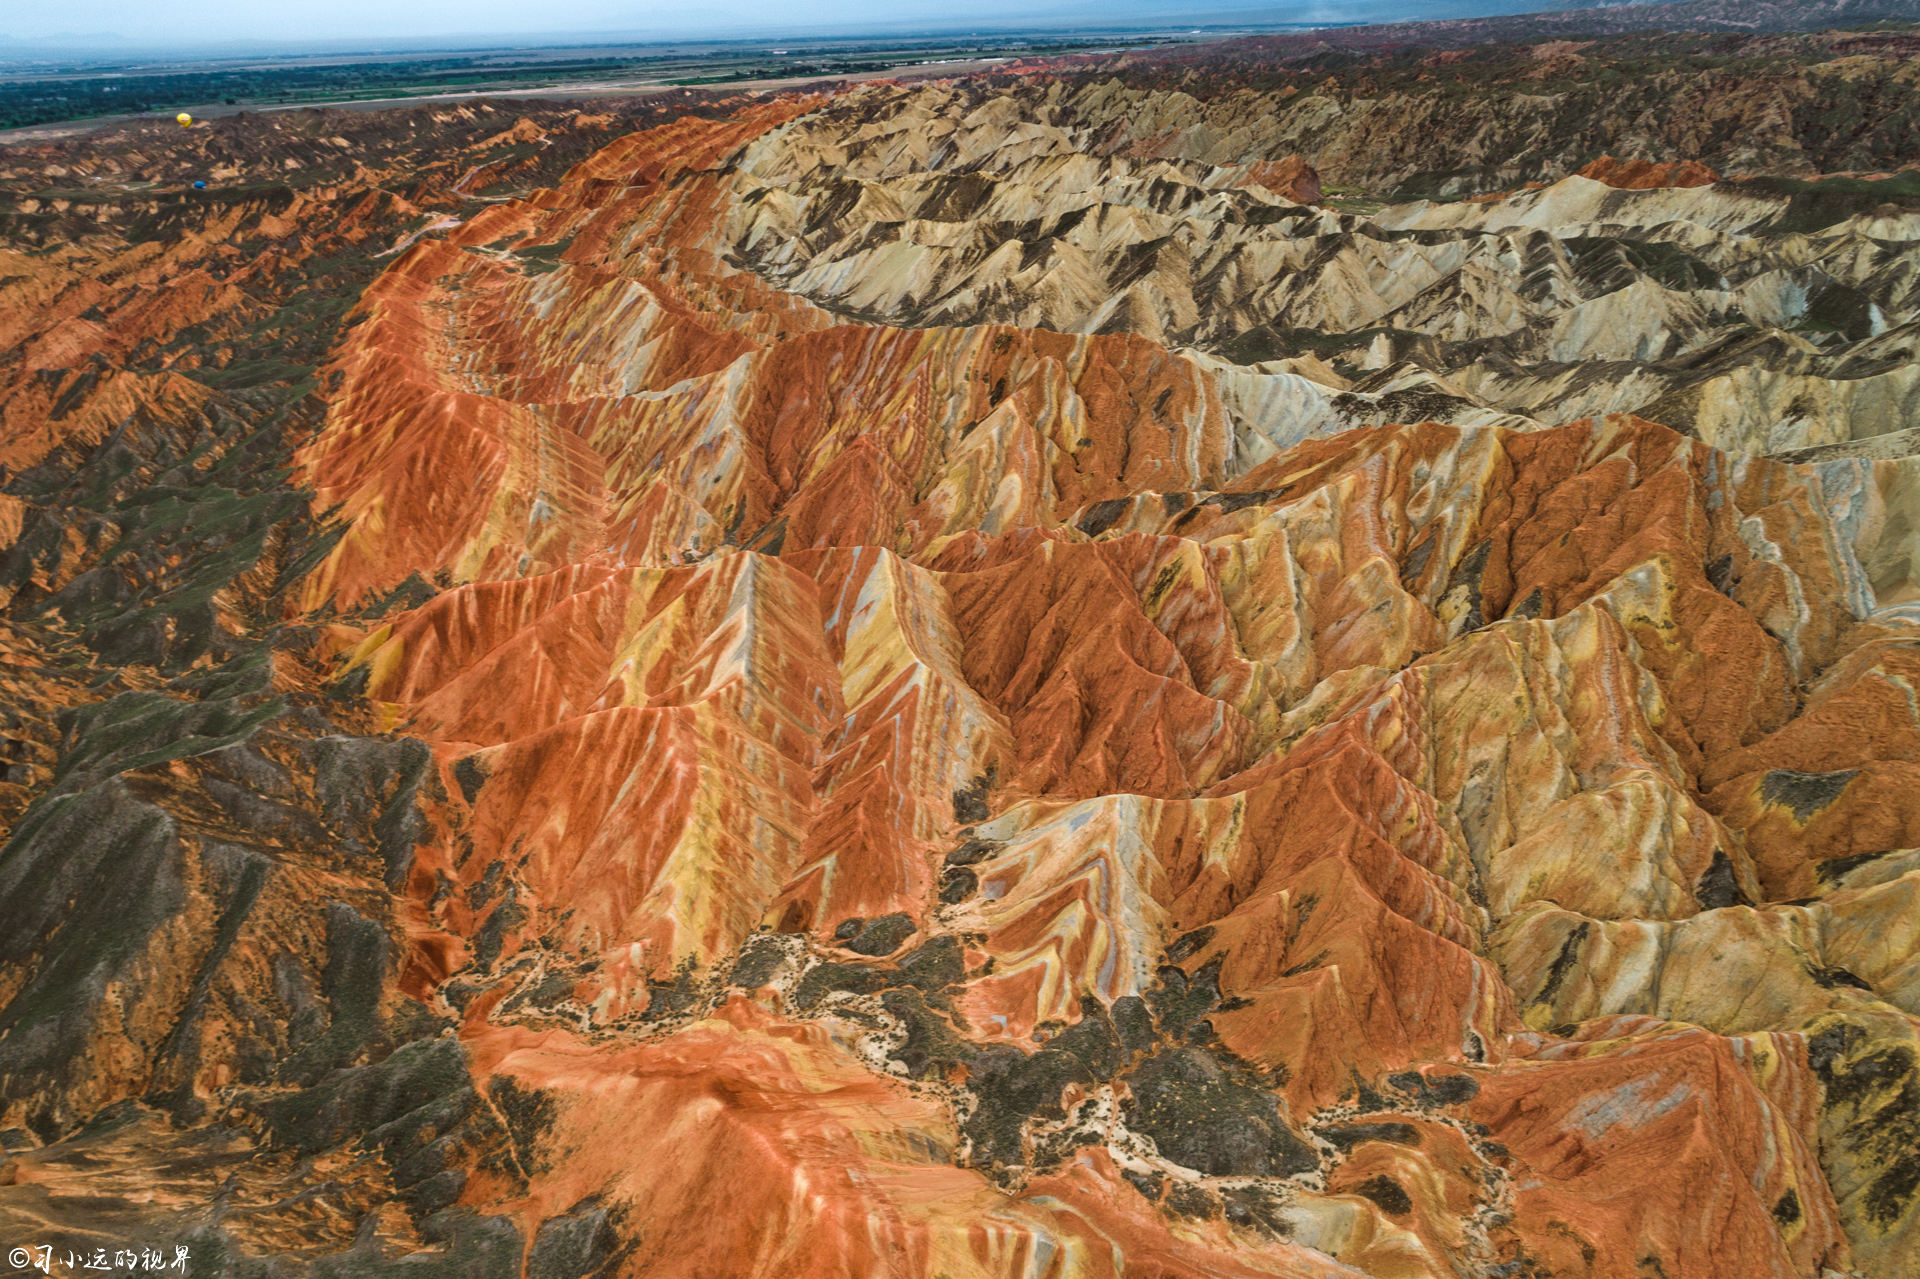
{"type": "Point", "coordinates": [186, 121]}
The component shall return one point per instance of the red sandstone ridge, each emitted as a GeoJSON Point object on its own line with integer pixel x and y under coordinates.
{"type": "Point", "coordinates": [1644, 175]}
{"type": "Point", "coordinates": [1627, 175]}
{"type": "Point", "coordinates": [1019, 683]}
{"type": "Point", "coordinates": [660, 753]}
{"type": "Point", "coordinates": [1292, 178]}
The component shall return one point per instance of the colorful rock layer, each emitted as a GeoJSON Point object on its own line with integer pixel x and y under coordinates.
{"type": "Point", "coordinates": [740, 792]}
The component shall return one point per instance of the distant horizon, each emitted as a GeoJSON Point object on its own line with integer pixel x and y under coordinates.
{"type": "Point", "coordinates": [310, 28]}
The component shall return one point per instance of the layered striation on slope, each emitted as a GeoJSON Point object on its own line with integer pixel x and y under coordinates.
{"type": "Point", "coordinates": [873, 783]}
{"type": "Point", "coordinates": [1180, 816]}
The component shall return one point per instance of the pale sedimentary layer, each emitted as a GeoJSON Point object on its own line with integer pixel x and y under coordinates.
{"type": "Point", "coordinates": [1698, 306]}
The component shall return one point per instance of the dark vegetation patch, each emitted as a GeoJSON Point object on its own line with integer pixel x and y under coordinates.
{"type": "Point", "coordinates": [1435, 1090]}
{"type": "Point", "coordinates": [1202, 1107]}
{"type": "Point", "coordinates": [1201, 1117]}
{"type": "Point", "coordinates": [1388, 1193]}
{"type": "Point", "coordinates": [957, 883]}
{"type": "Point", "coordinates": [1804, 794]}
{"type": "Point", "coordinates": [575, 1244]}
{"type": "Point", "coordinates": [1563, 964]}
{"type": "Point", "coordinates": [1871, 1104]}
{"type": "Point", "coordinates": [1720, 886]}
{"type": "Point", "coordinates": [1347, 1136]}
{"type": "Point", "coordinates": [882, 936]}
{"type": "Point", "coordinates": [1837, 868]}
{"type": "Point", "coordinates": [970, 801]}
{"type": "Point", "coordinates": [1832, 978]}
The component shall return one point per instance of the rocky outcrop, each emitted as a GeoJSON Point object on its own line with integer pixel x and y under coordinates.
{"type": "Point", "coordinates": [1643, 175]}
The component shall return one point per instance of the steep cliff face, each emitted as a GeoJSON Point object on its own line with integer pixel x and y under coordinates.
{"type": "Point", "coordinates": [828, 730]}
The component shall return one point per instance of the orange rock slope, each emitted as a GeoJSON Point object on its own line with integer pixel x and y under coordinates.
{"type": "Point", "coordinates": [920, 802]}
{"type": "Point", "coordinates": [986, 801]}
{"type": "Point", "coordinates": [1644, 175]}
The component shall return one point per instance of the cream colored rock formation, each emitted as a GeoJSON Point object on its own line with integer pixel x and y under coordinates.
{"type": "Point", "coordinates": [1680, 303]}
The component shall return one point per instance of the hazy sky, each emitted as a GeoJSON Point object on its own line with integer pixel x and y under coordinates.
{"type": "Point", "coordinates": [198, 21]}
